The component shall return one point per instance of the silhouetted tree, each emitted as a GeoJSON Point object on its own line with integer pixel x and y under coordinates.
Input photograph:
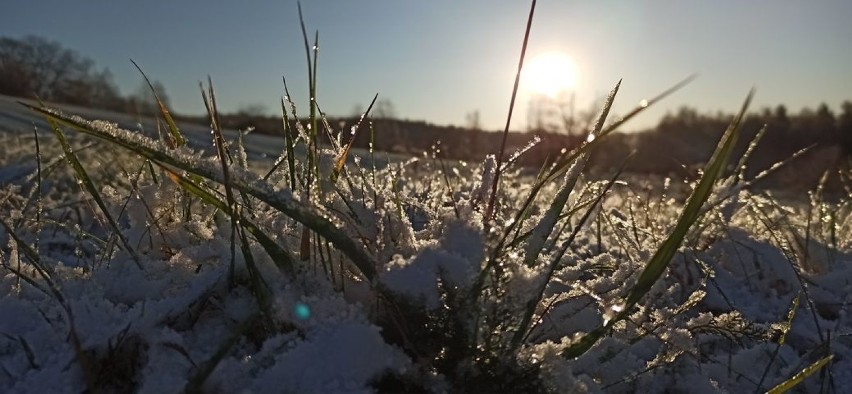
{"type": "Point", "coordinates": [142, 100]}
{"type": "Point", "coordinates": [472, 120]}
{"type": "Point", "coordinates": [844, 128]}
{"type": "Point", "coordinates": [384, 109]}
{"type": "Point", "coordinates": [37, 66]}
{"type": "Point", "coordinates": [560, 115]}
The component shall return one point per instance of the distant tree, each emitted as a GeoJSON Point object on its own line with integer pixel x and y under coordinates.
{"type": "Point", "coordinates": [254, 110]}
{"type": "Point", "coordinates": [145, 96]}
{"type": "Point", "coordinates": [844, 128]}
{"type": "Point", "coordinates": [541, 114]}
{"type": "Point", "coordinates": [472, 120]}
{"type": "Point", "coordinates": [560, 114]}
{"type": "Point", "coordinates": [780, 118]}
{"type": "Point", "coordinates": [825, 121]}
{"type": "Point", "coordinates": [384, 109]}
{"type": "Point", "coordinates": [37, 66]}
{"type": "Point", "coordinates": [142, 101]}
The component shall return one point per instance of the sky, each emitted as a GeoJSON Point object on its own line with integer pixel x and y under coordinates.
{"type": "Point", "coordinates": [440, 60]}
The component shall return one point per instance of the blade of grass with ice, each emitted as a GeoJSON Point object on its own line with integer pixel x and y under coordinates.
{"type": "Point", "coordinates": [53, 290]}
{"type": "Point", "coordinates": [341, 160]}
{"type": "Point", "coordinates": [279, 256]}
{"type": "Point", "coordinates": [544, 227]}
{"type": "Point", "coordinates": [785, 329]}
{"type": "Point", "coordinates": [89, 186]}
{"type": "Point", "coordinates": [798, 378]}
{"type": "Point", "coordinates": [176, 138]}
{"type": "Point", "coordinates": [663, 255]}
{"type": "Point", "coordinates": [224, 160]}
{"type": "Point", "coordinates": [524, 327]}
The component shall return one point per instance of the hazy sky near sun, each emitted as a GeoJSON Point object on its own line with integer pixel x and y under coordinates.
{"type": "Point", "coordinates": [438, 60]}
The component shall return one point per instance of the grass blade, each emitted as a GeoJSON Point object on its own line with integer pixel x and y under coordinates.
{"type": "Point", "coordinates": [798, 378]}
{"type": "Point", "coordinates": [341, 160]}
{"type": "Point", "coordinates": [225, 160]}
{"type": "Point", "coordinates": [176, 138]}
{"type": "Point", "coordinates": [489, 210]}
{"type": "Point", "coordinates": [785, 329]}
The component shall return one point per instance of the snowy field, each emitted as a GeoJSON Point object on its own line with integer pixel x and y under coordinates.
{"type": "Point", "coordinates": [172, 275]}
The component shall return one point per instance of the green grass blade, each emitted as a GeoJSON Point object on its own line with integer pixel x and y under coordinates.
{"type": "Point", "coordinates": [691, 211]}
{"type": "Point", "coordinates": [89, 186]}
{"type": "Point", "coordinates": [785, 329]}
{"type": "Point", "coordinates": [663, 255]}
{"type": "Point", "coordinates": [289, 136]}
{"type": "Point", "coordinates": [798, 378]}
{"type": "Point", "coordinates": [287, 154]}
{"type": "Point", "coordinates": [313, 156]}
{"type": "Point", "coordinates": [177, 138]}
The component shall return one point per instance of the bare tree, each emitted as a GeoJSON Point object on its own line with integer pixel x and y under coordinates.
{"type": "Point", "coordinates": [142, 100]}
{"type": "Point", "coordinates": [384, 109]}
{"type": "Point", "coordinates": [559, 115]}
{"type": "Point", "coordinates": [472, 120]}
{"type": "Point", "coordinates": [253, 110]}
{"type": "Point", "coordinates": [37, 66]}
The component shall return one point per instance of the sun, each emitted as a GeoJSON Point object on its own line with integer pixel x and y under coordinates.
{"type": "Point", "coordinates": [549, 74]}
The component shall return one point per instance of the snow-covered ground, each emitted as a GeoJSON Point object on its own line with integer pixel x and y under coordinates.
{"type": "Point", "coordinates": [170, 303]}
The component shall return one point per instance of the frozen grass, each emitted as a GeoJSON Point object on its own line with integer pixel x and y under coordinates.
{"type": "Point", "coordinates": [145, 266]}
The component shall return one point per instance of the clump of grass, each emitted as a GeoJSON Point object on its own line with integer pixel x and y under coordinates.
{"type": "Point", "coordinates": [425, 258]}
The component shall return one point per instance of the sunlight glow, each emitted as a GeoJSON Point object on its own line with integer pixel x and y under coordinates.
{"type": "Point", "coordinates": [550, 74]}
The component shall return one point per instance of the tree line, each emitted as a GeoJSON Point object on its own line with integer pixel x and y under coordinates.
{"type": "Point", "coordinates": [35, 67]}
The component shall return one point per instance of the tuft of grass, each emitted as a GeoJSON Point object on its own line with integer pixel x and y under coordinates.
{"type": "Point", "coordinates": [284, 204]}
{"type": "Point", "coordinates": [85, 181]}
{"type": "Point", "coordinates": [661, 258]}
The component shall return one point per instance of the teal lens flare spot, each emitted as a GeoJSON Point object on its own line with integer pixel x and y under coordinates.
{"type": "Point", "coordinates": [302, 311]}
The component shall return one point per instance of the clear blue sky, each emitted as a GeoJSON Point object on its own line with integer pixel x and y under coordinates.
{"type": "Point", "coordinates": [438, 60]}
